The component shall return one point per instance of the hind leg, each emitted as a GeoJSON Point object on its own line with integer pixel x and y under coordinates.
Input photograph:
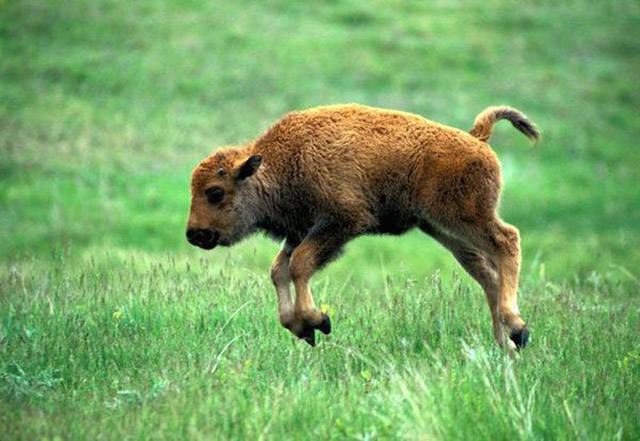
{"type": "Point", "coordinates": [500, 244]}
{"type": "Point", "coordinates": [508, 254]}
{"type": "Point", "coordinates": [463, 205]}
{"type": "Point", "coordinates": [478, 267]}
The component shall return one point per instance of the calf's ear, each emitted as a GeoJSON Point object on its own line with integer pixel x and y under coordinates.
{"type": "Point", "coordinates": [248, 167]}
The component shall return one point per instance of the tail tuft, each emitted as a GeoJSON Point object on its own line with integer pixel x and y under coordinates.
{"type": "Point", "coordinates": [483, 124]}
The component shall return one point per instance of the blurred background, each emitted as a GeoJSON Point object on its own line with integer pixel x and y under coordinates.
{"type": "Point", "coordinates": [106, 106]}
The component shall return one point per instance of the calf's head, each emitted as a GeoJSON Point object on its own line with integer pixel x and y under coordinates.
{"type": "Point", "coordinates": [223, 207]}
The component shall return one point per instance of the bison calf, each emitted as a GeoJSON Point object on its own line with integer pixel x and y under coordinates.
{"type": "Point", "coordinates": [320, 177]}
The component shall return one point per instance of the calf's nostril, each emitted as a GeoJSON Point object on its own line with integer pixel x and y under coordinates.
{"type": "Point", "coordinates": [205, 235]}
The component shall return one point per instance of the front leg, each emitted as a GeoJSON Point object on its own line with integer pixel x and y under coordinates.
{"type": "Point", "coordinates": [282, 281]}
{"type": "Point", "coordinates": [320, 245]}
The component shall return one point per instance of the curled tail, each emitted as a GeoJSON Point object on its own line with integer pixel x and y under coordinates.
{"type": "Point", "coordinates": [483, 124]}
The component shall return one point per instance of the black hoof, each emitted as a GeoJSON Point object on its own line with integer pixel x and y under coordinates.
{"type": "Point", "coordinates": [325, 325]}
{"type": "Point", "coordinates": [306, 331]}
{"type": "Point", "coordinates": [309, 336]}
{"type": "Point", "coordinates": [520, 337]}
{"type": "Point", "coordinates": [311, 339]}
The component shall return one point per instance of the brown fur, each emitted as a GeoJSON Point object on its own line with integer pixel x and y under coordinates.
{"type": "Point", "coordinates": [332, 173]}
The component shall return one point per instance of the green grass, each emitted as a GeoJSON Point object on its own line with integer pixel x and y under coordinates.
{"type": "Point", "coordinates": [112, 327]}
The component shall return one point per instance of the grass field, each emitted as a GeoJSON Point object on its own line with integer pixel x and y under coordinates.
{"type": "Point", "coordinates": [113, 327]}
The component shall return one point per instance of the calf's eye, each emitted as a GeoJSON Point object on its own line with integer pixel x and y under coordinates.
{"type": "Point", "coordinates": [214, 194]}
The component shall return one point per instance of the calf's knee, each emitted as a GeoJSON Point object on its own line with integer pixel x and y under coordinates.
{"type": "Point", "coordinates": [279, 274]}
{"type": "Point", "coordinates": [300, 267]}
{"type": "Point", "coordinates": [508, 240]}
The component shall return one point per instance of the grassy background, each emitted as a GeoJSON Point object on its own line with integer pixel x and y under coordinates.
{"type": "Point", "coordinates": [112, 327]}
